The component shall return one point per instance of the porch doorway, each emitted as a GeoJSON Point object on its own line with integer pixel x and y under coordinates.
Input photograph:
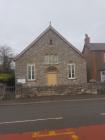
{"type": "Point", "coordinates": [52, 79]}
{"type": "Point", "coordinates": [51, 76]}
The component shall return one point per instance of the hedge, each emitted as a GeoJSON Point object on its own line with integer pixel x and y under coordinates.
{"type": "Point", "coordinates": [7, 78]}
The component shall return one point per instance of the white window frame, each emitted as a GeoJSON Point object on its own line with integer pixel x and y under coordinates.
{"type": "Point", "coordinates": [70, 66]}
{"type": "Point", "coordinates": [30, 79]}
{"type": "Point", "coordinates": [46, 59]}
{"type": "Point", "coordinates": [51, 59]}
{"type": "Point", "coordinates": [55, 59]}
{"type": "Point", "coordinates": [102, 73]}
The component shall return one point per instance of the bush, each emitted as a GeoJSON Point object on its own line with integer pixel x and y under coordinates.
{"type": "Point", "coordinates": [7, 78]}
{"type": "Point", "coordinates": [4, 77]}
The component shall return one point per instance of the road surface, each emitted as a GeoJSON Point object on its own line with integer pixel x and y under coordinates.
{"type": "Point", "coordinates": [50, 115]}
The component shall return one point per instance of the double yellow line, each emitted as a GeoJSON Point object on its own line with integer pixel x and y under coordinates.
{"type": "Point", "coordinates": [54, 133]}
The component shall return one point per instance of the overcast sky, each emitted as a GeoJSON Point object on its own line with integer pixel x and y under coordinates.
{"type": "Point", "coordinates": [21, 21]}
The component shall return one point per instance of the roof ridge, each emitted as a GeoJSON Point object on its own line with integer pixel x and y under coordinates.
{"type": "Point", "coordinates": [50, 27]}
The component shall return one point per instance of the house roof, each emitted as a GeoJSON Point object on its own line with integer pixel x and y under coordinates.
{"type": "Point", "coordinates": [97, 46]}
{"type": "Point", "coordinates": [39, 37]}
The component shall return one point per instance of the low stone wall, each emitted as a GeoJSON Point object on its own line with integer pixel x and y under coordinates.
{"type": "Point", "coordinates": [89, 88]}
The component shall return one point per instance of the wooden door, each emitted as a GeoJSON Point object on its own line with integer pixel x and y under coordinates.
{"type": "Point", "coordinates": [52, 79]}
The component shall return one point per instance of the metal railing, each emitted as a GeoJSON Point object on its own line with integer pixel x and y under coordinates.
{"type": "Point", "coordinates": [7, 92]}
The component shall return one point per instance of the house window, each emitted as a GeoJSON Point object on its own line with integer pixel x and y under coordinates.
{"type": "Point", "coordinates": [102, 76]}
{"type": "Point", "coordinates": [104, 57]}
{"type": "Point", "coordinates": [71, 71]}
{"type": "Point", "coordinates": [51, 59]}
{"type": "Point", "coordinates": [103, 72]}
{"type": "Point", "coordinates": [31, 72]}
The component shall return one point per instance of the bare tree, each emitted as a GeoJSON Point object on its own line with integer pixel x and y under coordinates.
{"type": "Point", "coordinates": [6, 55]}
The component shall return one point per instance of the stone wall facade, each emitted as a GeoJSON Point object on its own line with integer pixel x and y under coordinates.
{"type": "Point", "coordinates": [36, 54]}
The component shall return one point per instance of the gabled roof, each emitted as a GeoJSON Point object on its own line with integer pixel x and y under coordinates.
{"type": "Point", "coordinates": [39, 37]}
{"type": "Point", "coordinates": [97, 46]}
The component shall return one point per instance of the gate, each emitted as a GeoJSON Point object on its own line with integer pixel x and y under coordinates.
{"type": "Point", "coordinates": [7, 92]}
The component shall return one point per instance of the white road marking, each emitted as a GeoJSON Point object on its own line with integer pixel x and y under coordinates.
{"type": "Point", "coordinates": [103, 114]}
{"type": "Point", "coordinates": [35, 120]}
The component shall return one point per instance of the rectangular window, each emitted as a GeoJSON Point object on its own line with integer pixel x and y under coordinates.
{"type": "Point", "coordinates": [102, 76]}
{"type": "Point", "coordinates": [55, 59]}
{"type": "Point", "coordinates": [71, 71]}
{"type": "Point", "coordinates": [31, 72]}
{"type": "Point", "coordinates": [104, 57]}
{"type": "Point", "coordinates": [46, 59]}
{"type": "Point", "coordinates": [51, 59]}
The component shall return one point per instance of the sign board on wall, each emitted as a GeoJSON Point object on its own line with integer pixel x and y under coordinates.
{"type": "Point", "coordinates": [22, 81]}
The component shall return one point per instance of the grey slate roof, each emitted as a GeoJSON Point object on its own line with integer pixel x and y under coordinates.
{"type": "Point", "coordinates": [97, 46]}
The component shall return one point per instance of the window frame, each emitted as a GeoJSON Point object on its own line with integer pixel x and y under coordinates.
{"type": "Point", "coordinates": [31, 79]}
{"type": "Point", "coordinates": [51, 59]}
{"type": "Point", "coordinates": [68, 70]}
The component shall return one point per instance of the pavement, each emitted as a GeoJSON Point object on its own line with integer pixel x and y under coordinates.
{"type": "Point", "coordinates": [96, 132]}
{"type": "Point", "coordinates": [49, 98]}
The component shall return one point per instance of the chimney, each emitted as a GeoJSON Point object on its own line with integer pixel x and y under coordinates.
{"type": "Point", "coordinates": [86, 40]}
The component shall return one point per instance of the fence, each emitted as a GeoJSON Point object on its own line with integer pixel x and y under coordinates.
{"type": "Point", "coordinates": [7, 92]}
